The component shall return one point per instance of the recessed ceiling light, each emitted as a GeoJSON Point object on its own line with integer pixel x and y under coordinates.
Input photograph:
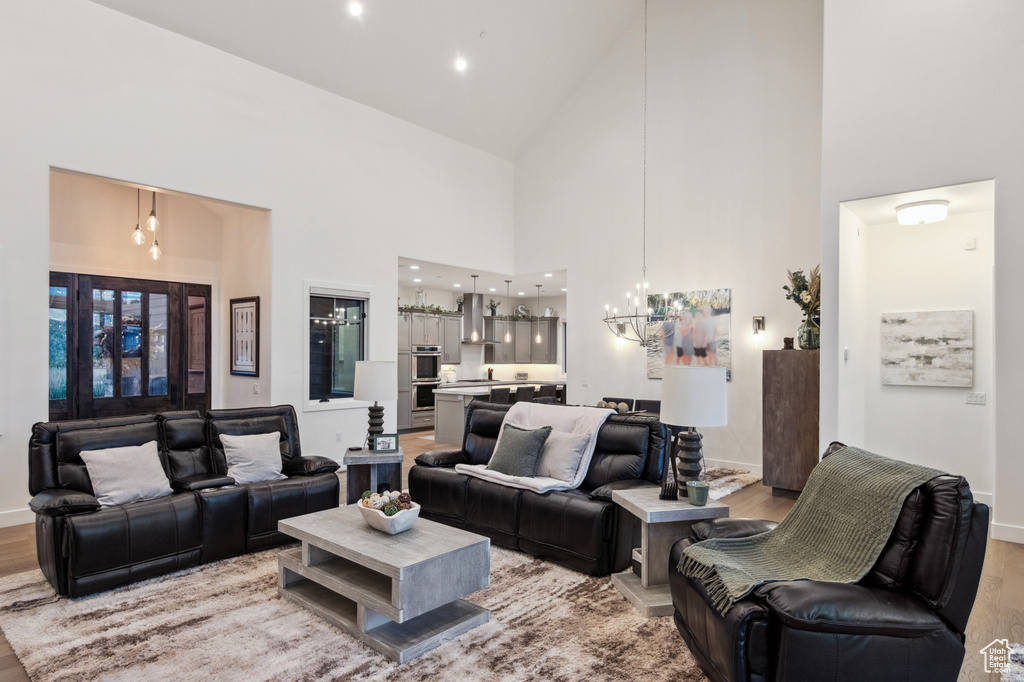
{"type": "Point", "coordinates": [355, 8]}
{"type": "Point", "coordinates": [492, 289]}
{"type": "Point", "coordinates": [548, 274]}
{"type": "Point", "coordinates": [414, 267]}
{"type": "Point", "coordinates": [460, 64]}
{"type": "Point", "coordinates": [522, 293]}
{"type": "Point", "coordinates": [456, 285]}
{"type": "Point", "coordinates": [417, 280]}
{"type": "Point", "coordinates": [564, 289]}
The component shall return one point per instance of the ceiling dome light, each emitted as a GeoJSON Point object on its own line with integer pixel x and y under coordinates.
{"type": "Point", "coordinates": [922, 212]}
{"type": "Point", "coordinates": [460, 64]}
{"type": "Point", "coordinates": [355, 9]}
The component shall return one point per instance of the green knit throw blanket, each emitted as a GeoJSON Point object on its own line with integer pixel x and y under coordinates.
{"type": "Point", "coordinates": [835, 531]}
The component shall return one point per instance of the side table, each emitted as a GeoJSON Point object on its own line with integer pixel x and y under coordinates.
{"type": "Point", "coordinates": [366, 469]}
{"type": "Point", "coordinates": [662, 522]}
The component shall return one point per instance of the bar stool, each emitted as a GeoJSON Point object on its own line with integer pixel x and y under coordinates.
{"type": "Point", "coordinates": [525, 394]}
{"type": "Point", "coordinates": [546, 391]}
{"type": "Point", "coordinates": [499, 395]}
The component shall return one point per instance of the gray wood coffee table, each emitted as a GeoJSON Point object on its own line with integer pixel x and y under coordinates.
{"type": "Point", "coordinates": [662, 522]}
{"type": "Point", "coordinates": [399, 594]}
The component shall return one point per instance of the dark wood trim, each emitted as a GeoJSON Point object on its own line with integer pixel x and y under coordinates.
{"type": "Point", "coordinates": [231, 338]}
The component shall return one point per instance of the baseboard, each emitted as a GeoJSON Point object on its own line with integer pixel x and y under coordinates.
{"type": "Point", "coordinates": [984, 498]}
{"type": "Point", "coordinates": [1003, 531]}
{"type": "Point", "coordinates": [16, 517]}
{"type": "Point", "coordinates": [745, 466]}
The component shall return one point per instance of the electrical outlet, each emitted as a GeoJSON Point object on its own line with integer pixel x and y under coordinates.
{"type": "Point", "coordinates": [256, 389]}
{"type": "Point", "coordinates": [585, 383]}
{"type": "Point", "coordinates": [971, 244]}
{"type": "Point", "coordinates": [975, 399]}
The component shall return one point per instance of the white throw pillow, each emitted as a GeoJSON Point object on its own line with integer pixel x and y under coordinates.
{"type": "Point", "coordinates": [253, 458]}
{"type": "Point", "coordinates": [128, 474]}
{"type": "Point", "coordinates": [561, 455]}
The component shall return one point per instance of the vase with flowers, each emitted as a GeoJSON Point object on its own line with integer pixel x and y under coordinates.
{"type": "Point", "coordinates": [805, 291]}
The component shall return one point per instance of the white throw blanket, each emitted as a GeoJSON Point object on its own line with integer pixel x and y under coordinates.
{"type": "Point", "coordinates": [572, 420]}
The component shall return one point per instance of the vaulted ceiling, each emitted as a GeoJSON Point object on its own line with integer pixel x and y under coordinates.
{"type": "Point", "coordinates": [524, 57]}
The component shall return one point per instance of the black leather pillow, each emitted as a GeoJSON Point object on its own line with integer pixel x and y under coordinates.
{"type": "Point", "coordinates": [518, 450]}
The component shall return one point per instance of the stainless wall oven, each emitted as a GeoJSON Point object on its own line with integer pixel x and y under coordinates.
{"type": "Point", "coordinates": [423, 395]}
{"type": "Point", "coordinates": [426, 363]}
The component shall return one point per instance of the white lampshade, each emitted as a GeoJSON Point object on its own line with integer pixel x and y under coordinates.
{"type": "Point", "coordinates": [376, 380]}
{"type": "Point", "coordinates": [694, 396]}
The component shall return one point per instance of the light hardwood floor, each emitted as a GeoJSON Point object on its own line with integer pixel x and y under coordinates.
{"type": "Point", "coordinates": [998, 611]}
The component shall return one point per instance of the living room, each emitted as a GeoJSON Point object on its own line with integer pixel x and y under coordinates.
{"type": "Point", "coordinates": [761, 122]}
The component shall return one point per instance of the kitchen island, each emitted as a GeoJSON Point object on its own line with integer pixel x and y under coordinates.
{"type": "Point", "coordinates": [451, 402]}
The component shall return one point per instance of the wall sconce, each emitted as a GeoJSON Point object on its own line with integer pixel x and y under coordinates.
{"type": "Point", "coordinates": [758, 324]}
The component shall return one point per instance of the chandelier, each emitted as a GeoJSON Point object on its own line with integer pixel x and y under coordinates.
{"type": "Point", "coordinates": [631, 324]}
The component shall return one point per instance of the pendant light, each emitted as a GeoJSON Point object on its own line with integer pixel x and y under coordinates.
{"type": "Point", "coordinates": [474, 336]}
{"type": "Point", "coordinates": [153, 223]}
{"type": "Point", "coordinates": [154, 250]}
{"type": "Point", "coordinates": [538, 338]}
{"type": "Point", "coordinates": [508, 331]}
{"type": "Point", "coordinates": [137, 236]}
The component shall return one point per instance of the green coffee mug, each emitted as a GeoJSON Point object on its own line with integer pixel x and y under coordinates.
{"type": "Point", "coordinates": [697, 492]}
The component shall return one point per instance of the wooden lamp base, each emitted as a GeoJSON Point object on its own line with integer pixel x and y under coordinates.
{"type": "Point", "coordinates": [376, 422]}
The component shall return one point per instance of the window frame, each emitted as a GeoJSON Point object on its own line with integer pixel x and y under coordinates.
{"type": "Point", "coordinates": [336, 290]}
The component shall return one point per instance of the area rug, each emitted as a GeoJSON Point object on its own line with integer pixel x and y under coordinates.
{"type": "Point", "coordinates": [723, 481]}
{"type": "Point", "coordinates": [225, 621]}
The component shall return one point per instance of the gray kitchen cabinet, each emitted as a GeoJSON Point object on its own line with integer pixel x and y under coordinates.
{"type": "Point", "coordinates": [404, 416]}
{"type": "Point", "coordinates": [545, 352]}
{"type": "Point", "coordinates": [404, 332]}
{"type": "Point", "coordinates": [426, 330]}
{"type": "Point", "coordinates": [523, 341]}
{"type": "Point", "coordinates": [499, 353]}
{"type": "Point", "coordinates": [451, 345]}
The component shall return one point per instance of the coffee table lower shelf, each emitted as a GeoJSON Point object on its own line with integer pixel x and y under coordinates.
{"type": "Point", "coordinates": [401, 642]}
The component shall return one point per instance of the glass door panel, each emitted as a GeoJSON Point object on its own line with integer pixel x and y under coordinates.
{"type": "Point", "coordinates": [131, 343]}
{"type": "Point", "coordinates": [103, 343]}
{"type": "Point", "coordinates": [58, 343]}
{"type": "Point", "coordinates": [158, 344]}
{"type": "Point", "coordinates": [196, 344]}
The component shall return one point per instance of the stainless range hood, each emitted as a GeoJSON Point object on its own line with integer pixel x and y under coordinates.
{"type": "Point", "coordinates": [473, 319]}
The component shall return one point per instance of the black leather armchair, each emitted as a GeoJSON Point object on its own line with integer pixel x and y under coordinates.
{"type": "Point", "coordinates": [85, 548]}
{"type": "Point", "coordinates": [904, 620]}
{"type": "Point", "coordinates": [581, 529]}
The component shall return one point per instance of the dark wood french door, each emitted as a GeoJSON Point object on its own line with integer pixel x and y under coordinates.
{"type": "Point", "coordinates": [132, 346]}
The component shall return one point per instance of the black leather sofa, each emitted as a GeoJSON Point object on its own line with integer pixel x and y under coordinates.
{"type": "Point", "coordinates": [581, 529]}
{"type": "Point", "coordinates": [84, 548]}
{"type": "Point", "coordinates": [904, 620]}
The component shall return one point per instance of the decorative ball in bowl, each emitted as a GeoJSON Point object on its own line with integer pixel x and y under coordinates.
{"type": "Point", "coordinates": [391, 512]}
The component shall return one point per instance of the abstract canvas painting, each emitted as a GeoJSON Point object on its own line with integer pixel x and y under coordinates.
{"type": "Point", "coordinates": [689, 328]}
{"type": "Point", "coordinates": [928, 349]}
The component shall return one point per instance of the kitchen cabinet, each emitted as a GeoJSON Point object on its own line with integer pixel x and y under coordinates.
{"type": "Point", "coordinates": [404, 332]}
{"type": "Point", "coordinates": [450, 418]}
{"type": "Point", "coordinates": [545, 352]}
{"type": "Point", "coordinates": [451, 345]}
{"type": "Point", "coordinates": [789, 385]}
{"type": "Point", "coordinates": [426, 330]}
{"type": "Point", "coordinates": [523, 341]}
{"type": "Point", "coordinates": [404, 415]}
{"type": "Point", "coordinates": [499, 353]}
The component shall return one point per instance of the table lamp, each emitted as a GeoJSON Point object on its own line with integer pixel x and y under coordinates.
{"type": "Point", "coordinates": [690, 397]}
{"type": "Point", "coordinates": [375, 380]}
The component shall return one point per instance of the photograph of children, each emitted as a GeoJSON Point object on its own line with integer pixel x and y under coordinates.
{"type": "Point", "coordinates": [689, 328]}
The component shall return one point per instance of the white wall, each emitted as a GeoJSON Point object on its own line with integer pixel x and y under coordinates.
{"type": "Point", "coordinates": [920, 94]}
{"type": "Point", "coordinates": [919, 268]}
{"type": "Point", "coordinates": [92, 90]}
{"type": "Point", "coordinates": [734, 104]}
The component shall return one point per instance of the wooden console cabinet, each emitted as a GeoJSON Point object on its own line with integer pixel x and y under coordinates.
{"type": "Point", "coordinates": [790, 418]}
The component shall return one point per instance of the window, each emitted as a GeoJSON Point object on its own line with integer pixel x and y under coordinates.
{"type": "Point", "coordinates": [337, 340]}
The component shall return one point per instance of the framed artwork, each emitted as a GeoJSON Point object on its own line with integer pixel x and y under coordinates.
{"type": "Point", "coordinates": [928, 349]}
{"type": "Point", "coordinates": [690, 328]}
{"type": "Point", "coordinates": [385, 442]}
{"type": "Point", "coordinates": [245, 336]}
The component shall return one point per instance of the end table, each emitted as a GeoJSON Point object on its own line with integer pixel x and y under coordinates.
{"type": "Point", "coordinates": [662, 522]}
{"type": "Point", "coordinates": [366, 469]}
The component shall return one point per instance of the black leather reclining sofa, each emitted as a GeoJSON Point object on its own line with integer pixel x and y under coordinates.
{"type": "Point", "coordinates": [581, 529]}
{"type": "Point", "coordinates": [84, 548]}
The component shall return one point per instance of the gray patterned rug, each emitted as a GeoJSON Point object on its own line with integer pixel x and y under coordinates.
{"type": "Point", "coordinates": [224, 621]}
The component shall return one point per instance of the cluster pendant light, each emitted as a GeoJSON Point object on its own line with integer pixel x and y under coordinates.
{"type": "Point", "coordinates": [508, 332]}
{"type": "Point", "coordinates": [138, 236]}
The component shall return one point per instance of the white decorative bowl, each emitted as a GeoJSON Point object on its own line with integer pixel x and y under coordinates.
{"type": "Point", "coordinates": [392, 525]}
